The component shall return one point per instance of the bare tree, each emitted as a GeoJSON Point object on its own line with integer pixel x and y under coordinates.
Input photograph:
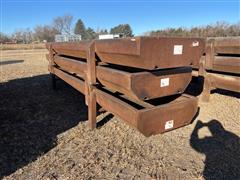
{"type": "Point", "coordinates": [23, 35]}
{"type": "Point", "coordinates": [63, 24]}
{"type": "Point", "coordinates": [45, 33]}
{"type": "Point", "coordinates": [4, 38]}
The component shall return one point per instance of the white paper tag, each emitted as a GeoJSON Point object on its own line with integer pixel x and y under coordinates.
{"type": "Point", "coordinates": [195, 43]}
{"type": "Point", "coordinates": [169, 124]}
{"type": "Point", "coordinates": [164, 82]}
{"type": "Point", "coordinates": [177, 49]}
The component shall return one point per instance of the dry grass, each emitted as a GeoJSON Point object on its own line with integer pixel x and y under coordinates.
{"type": "Point", "coordinates": [44, 134]}
{"type": "Point", "coordinates": [22, 46]}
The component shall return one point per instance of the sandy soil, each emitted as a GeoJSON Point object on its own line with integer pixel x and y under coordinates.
{"type": "Point", "coordinates": [44, 134]}
{"type": "Point", "coordinates": [22, 46]}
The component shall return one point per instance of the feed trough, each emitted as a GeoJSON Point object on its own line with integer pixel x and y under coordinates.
{"type": "Point", "coordinates": [141, 80]}
{"type": "Point", "coordinates": [151, 53]}
{"type": "Point", "coordinates": [220, 66]}
{"type": "Point", "coordinates": [134, 83]}
{"type": "Point", "coordinates": [150, 117]}
{"type": "Point", "coordinates": [140, 52]}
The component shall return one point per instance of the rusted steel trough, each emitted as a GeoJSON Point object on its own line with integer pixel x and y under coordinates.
{"type": "Point", "coordinates": [141, 52]}
{"type": "Point", "coordinates": [147, 96]}
{"type": "Point", "coordinates": [220, 66]}
{"type": "Point", "coordinates": [134, 83]}
{"type": "Point", "coordinates": [151, 53]}
{"type": "Point", "coordinates": [223, 54]}
{"type": "Point", "coordinates": [152, 117]}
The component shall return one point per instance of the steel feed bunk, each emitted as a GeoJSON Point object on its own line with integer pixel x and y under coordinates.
{"type": "Point", "coordinates": [141, 80]}
{"type": "Point", "coordinates": [220, 66]}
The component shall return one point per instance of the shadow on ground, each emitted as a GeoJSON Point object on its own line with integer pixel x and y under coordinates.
{"type": "Point", "coordinates": [226, 93]}
{"type": "Point", "coordinates": [222, 151]}
{"type": "Point", "coordinates": [31, 117]}
{"type": "Point", "coordinates": [11, 62]}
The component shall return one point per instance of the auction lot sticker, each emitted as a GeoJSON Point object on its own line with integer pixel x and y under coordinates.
{"type": "Point", "coordinates": [164, 82]}
{"type": "Point", "coordinates": [169, 124]}
{"type": "Point", "coordinates": [178, 49]}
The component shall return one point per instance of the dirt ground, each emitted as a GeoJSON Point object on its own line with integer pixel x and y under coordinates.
{"type": "Point", "coordinates": [22, 46]}
{"type": "Point", "coordinates": [44, 134]}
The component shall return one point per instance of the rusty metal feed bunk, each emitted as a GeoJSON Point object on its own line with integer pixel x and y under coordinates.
{"type": "Point", "coordinates": [220, 67]}
{"type": "Point", "coordinates": [140, 80]}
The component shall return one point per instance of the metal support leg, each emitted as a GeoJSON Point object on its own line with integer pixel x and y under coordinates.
{"type": "Point", "coordinates": [91, 81]}
{"type": "Point", "coordinates": [206, 89]}
{"type": "Point", "coordinates": [92, 110]}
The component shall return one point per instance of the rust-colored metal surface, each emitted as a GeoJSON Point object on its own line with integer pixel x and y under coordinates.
{"type": "Point", "coordinates": [74, 49]}
{"type": "Point", "coordinates": [223, 54]}
{"type": "Point", "coordinates": [227, 64]}
{"type": "Point", "coordinates": [221, 65]}
{"type": "Point", "coordinates": [139, 85]}
{"type": "Point", "coordinates": [145, 92]}
{"type": "Point", "coordinates": [215, 80]}
{"type": "Point", "coordinates": [226, 45]}
{"type": "Point", "coordinates": [71, 65]}
{"type": "Point", "coordinates": [151, 53]}
{"type": "Point", "coordinates": [147, 84]}
{"type": "Point", "coordinates": [149, 121]}
{"type": "Point", "coordinates": [141, 52]}
{"type": "Point", "coordinates": [231, 83]}
{"type": "Point", "coordinates": [73, 81]}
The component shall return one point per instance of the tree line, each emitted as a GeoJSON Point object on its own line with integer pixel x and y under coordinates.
{"type": "Point", "coordinates": [219, 29]}
{"type": "Point", "coordinates": [64, 25]}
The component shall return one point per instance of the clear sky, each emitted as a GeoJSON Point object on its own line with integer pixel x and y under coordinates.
{"type": "Point", "coordinates": [142, 15]}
